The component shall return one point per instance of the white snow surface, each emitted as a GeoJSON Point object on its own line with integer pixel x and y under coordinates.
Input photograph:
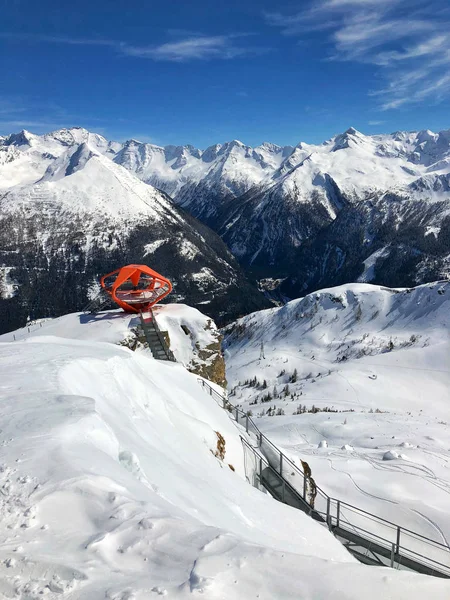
{"type": "Point", "coordinates": [85, 182]}
{"type": "Point", "coordinates": [116, 327]}
{"type": "Point", "coordinates": [378, 352]}
{"type": "Point", "coordinates": [110, 488]}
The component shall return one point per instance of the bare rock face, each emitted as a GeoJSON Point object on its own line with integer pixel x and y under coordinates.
{"type": "Point", "coordinates": [209, 362]}
{"type": "Point", "coordinates": [194, 339]}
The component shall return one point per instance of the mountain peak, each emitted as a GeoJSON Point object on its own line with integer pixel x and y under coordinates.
{"type": "Point", "coordinates": [344, 140]}
{"type": "Point", "coordinates": [269, 146]}
{"type": "Point", "coordinates": [74, 159]}
{"type": "Point", "coordinates": [23, 138]}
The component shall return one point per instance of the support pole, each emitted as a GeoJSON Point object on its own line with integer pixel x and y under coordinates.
{"type": "Point", "coordinates": [398, 545]}
{"type": "Point", "coordinates": [329, 513]}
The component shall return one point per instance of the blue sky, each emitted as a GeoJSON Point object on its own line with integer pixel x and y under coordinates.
{"type": "Point", "coordinates": [202, 71]}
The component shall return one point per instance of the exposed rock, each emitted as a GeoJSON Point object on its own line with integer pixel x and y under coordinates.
{"type": "Point", "coordinates": [194, 339]}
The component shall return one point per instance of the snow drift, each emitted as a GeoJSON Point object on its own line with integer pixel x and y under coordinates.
{"type": "Point", "coordinates": [111, 489]}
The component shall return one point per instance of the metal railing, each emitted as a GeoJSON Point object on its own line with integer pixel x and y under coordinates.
{"type": "Point", "coordinates": [372, 539]}
{"type": "Point", "coordinates": [30, 327]}
{"type": "Point", "coordinates": [101, 301]}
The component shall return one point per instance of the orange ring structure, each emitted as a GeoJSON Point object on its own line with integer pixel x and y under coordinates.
{"type": "Point", "coordinates": [135, 287]}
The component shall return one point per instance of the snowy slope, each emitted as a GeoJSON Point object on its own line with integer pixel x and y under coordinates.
{"type": "Point", "coordinates": [110, 489]}
{"type": "Point", "coordinates": [378, 356]}
{"type": "Point", "coordinates": [83, 182]}
{"type": "Point", "coordinates": [24, 157]}
{"type": "Point", "coordinates": [192, 336]}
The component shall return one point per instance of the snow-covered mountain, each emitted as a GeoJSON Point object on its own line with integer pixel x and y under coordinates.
{"type": "Point", "coordinates": [113, 486]}
{"type": "Point", "coordinates": [355, 380]}
{"type": "Point", "coordinates": [318, 212]}
{"type": "Point", "coordinates": [357, 207]}
{"type": "Point", "coordinates": [70, 214]}
{"type": "Point", "coordinates": [201, 181]}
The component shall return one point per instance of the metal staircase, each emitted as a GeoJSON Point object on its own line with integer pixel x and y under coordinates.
{"type": "Point", "coordinates": [371, 539]}
{"type": "Point", "coordinates": [155, 338]}
{"type": "Point", "coordinates": [153, 335]}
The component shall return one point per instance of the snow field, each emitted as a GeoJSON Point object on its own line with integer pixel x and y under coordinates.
{"type": "Point", "coordinates": [377, 361]}
{"type": "Point", "coordinates": [110, 488]}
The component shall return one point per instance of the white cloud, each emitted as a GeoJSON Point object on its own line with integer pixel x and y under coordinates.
{"type": "Point", "coordinates": [194, 47]}
{"type": "Point", "coordinates": [407, 39]}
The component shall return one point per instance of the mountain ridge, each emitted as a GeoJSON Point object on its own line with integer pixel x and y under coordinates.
{"type": "Point", "coordinates": [73, 215]}
{"type": "Point", "coordinates": [312, 215]}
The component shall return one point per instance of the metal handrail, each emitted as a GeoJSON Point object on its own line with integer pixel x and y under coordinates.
{"type": "Point", "coordinates": [399, 554]}
{"type": "Point", "coordinates": [340, 519]}
{"type": "Point", "coordinates": [100, 301]}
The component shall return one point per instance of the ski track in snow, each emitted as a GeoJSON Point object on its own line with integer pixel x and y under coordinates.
{"type": "Point", "coordinates": [408, 386]}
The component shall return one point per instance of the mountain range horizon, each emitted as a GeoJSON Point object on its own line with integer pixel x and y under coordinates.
{"type": "Point", "coordinates": [287, 220]}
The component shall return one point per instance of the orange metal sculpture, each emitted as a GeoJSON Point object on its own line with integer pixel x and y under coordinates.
{"type": "Point", "coordinates": [135, 287]}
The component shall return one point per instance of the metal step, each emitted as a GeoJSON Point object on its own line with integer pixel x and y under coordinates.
{"type": "Point", "coordinates": [284, 492]}
{"type": "Point", "coordinates": [155, 339]}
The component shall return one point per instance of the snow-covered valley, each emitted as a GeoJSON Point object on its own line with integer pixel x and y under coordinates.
{"type": "Point", "coordinates": [355, 380]}
{"type": "Point", "coordinates": [115, 483]}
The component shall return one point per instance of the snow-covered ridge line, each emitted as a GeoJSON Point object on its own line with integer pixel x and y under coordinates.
{"type": "Point", "coordinates": [244, 166]}
{"type": "Point", "coordinates": [356, 207]}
